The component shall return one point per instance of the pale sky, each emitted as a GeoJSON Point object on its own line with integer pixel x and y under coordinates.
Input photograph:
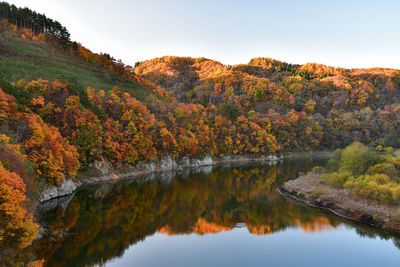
{"type": "Point", "coordinates": [352, 33]}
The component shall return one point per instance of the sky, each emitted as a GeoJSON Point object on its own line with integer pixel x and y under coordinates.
{"type": "Point", "coordinates": [352, 33]}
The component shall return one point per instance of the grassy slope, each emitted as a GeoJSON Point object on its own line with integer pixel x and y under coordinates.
{"type": "Point", "coordinates": [29, 60]}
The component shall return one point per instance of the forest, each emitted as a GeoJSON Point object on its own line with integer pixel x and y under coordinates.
{"type": "Point", "coordinates": [53, 127]}
{"type": "Point", "coordinates": [24, 18]}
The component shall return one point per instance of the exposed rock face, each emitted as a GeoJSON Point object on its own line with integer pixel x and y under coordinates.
{"type": "Point", "coordinates": [51, 204]}
{"type": "Point", "coordinates": [103, 167]}
{"type": "Point", "coordinates": [66, 188]}
{"type": "Point", "coordinates": [272, 158]}
{"type": "Point", "coordinates": [146, 167]}
{"type": "Point", "coordinates": [206, 161]}
{"type": "Point", "coordinates": [184, 162]}
{"type": "Point", "coordinates": [167, 163]}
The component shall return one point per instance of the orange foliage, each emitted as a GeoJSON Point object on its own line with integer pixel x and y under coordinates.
{"type": "Point", "coordinates": [16, 226]}
{"type": "Point", "coordinates": [7, 105]}
{"type": "Point", "coordinates": [310, 105]}
{"type": "Point", "coordinates": [54, 157]}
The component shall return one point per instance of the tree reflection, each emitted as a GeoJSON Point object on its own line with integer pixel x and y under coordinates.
{"type": "Point", "coordinates": [101, 221]}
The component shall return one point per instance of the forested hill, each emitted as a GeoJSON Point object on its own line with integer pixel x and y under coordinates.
{"type": "Point", "coordinates": [265, 83]}
{"type": "Point", "coordinates": [64, 108]}
{"type": "Point", "coordinates": [334, 106]}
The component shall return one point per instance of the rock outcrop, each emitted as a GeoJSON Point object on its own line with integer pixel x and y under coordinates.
{"type": "Point", "coordinates": [66, 188]}
{"type": "Point", "coordinates": [106, 172]}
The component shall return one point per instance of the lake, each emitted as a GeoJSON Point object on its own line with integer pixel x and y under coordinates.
{"type": "Point", "coordinates": [212, 216]}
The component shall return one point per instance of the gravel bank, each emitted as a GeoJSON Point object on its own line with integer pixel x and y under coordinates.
{"type": "Point", "coordinates": [310, 189]}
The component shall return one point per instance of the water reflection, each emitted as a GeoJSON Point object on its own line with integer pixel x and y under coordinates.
{"type": "Point", "coordinates": [100, 222]}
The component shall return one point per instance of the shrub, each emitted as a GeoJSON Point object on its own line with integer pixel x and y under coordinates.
{"type": "Point", "coordinates": [316, 193]}
{"type": "Point", "coordinates": [389, 149]}
{"type": "Point", "coordinates": [383, 194]}
{"type": "Point", "coordinates": [385, 168]}
{"type": "Point", "coordinates": [336, 179]}
{"type": "Point", "coordinates": [378, 187]}
{"type": "Point", "coordinates": [396, 193]}
{"type": "Point", "coordinates": [379, 178]}
{"type": "Point", "coordinates": [357, 158]}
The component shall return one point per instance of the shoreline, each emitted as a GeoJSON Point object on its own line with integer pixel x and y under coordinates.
{"type": "Point", "coordinates": [140, 170]}
{"type": "Point", "coordinates": [106, 172]}
{"type": "Point", "coordinates": [342, 203]}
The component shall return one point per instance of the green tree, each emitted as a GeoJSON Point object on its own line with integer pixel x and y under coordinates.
{"type": "Point", "coordinates": [357, 159]}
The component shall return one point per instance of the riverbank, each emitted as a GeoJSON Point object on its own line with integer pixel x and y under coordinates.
{"type": "Point", "coordinates": [103, 171]}
{"type": "Point", "coordinates": [311, 190]}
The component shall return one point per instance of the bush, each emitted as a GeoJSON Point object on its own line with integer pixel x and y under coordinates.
{"type": "Point", "coordinates": [389, 149]}
{"type": "Point", "coordinates": [357, 159]}
{"type": "Point", "coordinates": [366, 173]}
{"type": "Point", "coordinates": [378, 187]}
{"type": "Point", "coordinates": [384, 194]}
{"type": "Point", "coordinates": [396, 193]}
{"type": "Point", "coordinates": [336, 179]}
{"type": "Point", "coordinates": [385, 168]}
{"type": "Point", "coordinates": [315, 193]}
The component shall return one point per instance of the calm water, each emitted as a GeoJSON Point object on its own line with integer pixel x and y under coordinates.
{"type": "Point", "coordinates": [221, 216]}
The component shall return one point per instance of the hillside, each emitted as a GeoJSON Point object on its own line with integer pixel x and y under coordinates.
{"type": "Point", "coordinates": [334, 105]}
{"type": "Point", "coordinates": [63, 109]}
{"type": "Point", "coordinates": [263, 79]}
{"type": "Point", "coordinates": [22, 58]}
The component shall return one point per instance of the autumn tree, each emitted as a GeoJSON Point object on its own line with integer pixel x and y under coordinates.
{"type": "Point", "coordinates": [16, 225]}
